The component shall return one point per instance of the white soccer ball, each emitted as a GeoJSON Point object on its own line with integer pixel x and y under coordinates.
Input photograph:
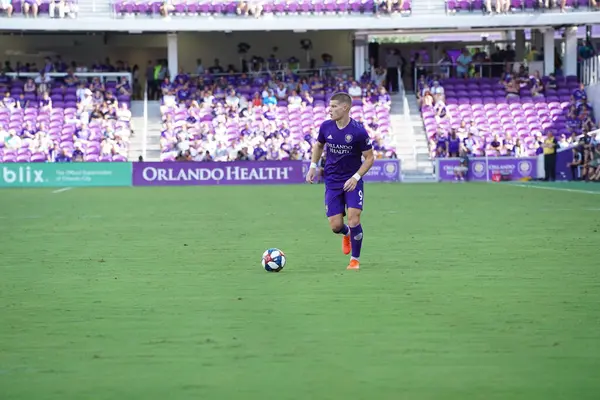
{"type": "Point", "coordinates": [273, 260]}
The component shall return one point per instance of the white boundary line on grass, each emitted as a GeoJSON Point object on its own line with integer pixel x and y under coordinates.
{"type": "Point", "coordinates": [62, 190]}
{"type": "Point", "coordinates": [559, 189]}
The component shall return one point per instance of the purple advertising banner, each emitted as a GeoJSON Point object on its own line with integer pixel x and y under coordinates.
{"type": "Point", "coordinates": [242, 172]}
{"type": "Point", "coordinates": [381, 171]}
{"type": "Point", "coordinates": [216, 173]}
{"type": "Point", "coordinates": [516, 168]}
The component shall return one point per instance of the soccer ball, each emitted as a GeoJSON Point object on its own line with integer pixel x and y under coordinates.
{"type": "Point", "coordinates": [273, 260]}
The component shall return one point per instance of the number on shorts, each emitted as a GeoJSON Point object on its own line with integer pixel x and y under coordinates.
{"type": "Point", "coordinates": [360, 194]}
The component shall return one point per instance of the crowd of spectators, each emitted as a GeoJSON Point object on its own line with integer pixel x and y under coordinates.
{"type": "Point", "coordinates": [263, 115]}
{"type": "Point", "coordinates": [66, 118]}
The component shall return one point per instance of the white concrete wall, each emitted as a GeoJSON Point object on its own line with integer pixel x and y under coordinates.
{"type": "Point", "coordinates": [593, 93]}
{"type": "Point", "coordinates": [138, 49]}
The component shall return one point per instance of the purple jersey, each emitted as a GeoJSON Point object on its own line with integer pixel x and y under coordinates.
{"type": "Point", "coordinates": [453, 144]}
{"type": "Point", "coordinates": [344, 150]}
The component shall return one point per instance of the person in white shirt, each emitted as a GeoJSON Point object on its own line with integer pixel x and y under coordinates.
{"type": "Point", "coordinates": [380, 76]}
{"type": "Point", "coordinates": [294, 100]}
{"type": "Point", "coordinates": [123, 113]}
{"type": "Point", "coordinates": [42, 81]}
{"type": "Point", "coordinates": [355, 91]}
{"type": "Point", "coordinates": [232, 100]}
{"type": "Point", "coordinates": [438, 92]}
{"type": "Point", "coordinates": [86, 106]}
{"type": "Point", "coordinates": [221, 152]}
{"type": "Point", "coordinates": [281, 92]}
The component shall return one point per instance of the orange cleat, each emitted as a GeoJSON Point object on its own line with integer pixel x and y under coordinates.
{"type": "Point", "coordinates": [353, 264]}
{"type": "Point", "coordinates": [346, 244]}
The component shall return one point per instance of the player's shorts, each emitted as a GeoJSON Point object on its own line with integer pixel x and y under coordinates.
{"type": "Point", "coordinates": [336, 200]}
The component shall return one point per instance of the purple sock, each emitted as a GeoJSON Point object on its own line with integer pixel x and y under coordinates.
{"type": "Point", "coordinates": [345, 229]}
{"type": "Point", "coordinates": [356, 236]}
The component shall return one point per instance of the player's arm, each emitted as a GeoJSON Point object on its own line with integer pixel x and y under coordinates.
{"type": "Point", "coordinates": [366, 165]}
{"type": "Point", "coordinates": [317, 151]}
{"type": "Point", "coordinates": [351, 183]}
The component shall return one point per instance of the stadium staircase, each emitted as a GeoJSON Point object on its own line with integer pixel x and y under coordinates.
{"type": "Point", "coordinates": [136, 145]}
{"type": "Point", "coordinates": [411, 141]}
{"type": "Point", "coordinates": [428, 7]}
{"type": "Point", "coordinates": [93, 9]}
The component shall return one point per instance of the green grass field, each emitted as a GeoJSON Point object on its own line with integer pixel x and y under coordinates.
{"type": "Point", "coordinates": [472, 291]}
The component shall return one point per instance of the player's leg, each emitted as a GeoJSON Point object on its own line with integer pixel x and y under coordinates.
{"type": "Point", "coordinates": [354, 201]}
{"type": "Point", "coordinates": [335, 210]}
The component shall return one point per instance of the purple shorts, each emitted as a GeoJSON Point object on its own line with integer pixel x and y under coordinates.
{"type": "Point", "coordinates": [336, 200]}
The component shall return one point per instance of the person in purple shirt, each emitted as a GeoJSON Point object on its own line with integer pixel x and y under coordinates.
{"type": "Point", "coordinates": [347, 143]}
{"type": "Point", "coordinates": [453, 144]}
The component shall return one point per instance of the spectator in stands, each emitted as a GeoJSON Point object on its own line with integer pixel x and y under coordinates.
{"type": "Point", "coordinates": [453, 144]}
{"type": "Point", "coordinates": [31, 7]}
{"type": "Point", "coordinates": [508, 145]}
{"type": "Point", "coordinates": [591, 161]}
{"type": "Point", "coordinates": [441, 112]}
{"type": "Point", "coordinates": [294, 100]}
{"type": "Point", "coordinates": [441, 144]}
{"type": "Point", "coordinates": [438, 91]}
{"type": "Point", "coordinates": [166, 7]}
{"type": "Point", "coordinates": [576, 164]}
{"type": "Point", "coordinates": [463, 62]}
{"type": "Point", "coordinates": [355, 91]}
{"type": "Point", "coordinates": [8, 102]}
{"type": "Point", "coordinates": [56, 5]}
{"type": "Point", "coordinates": [255, 7]}
{"type": "Point", "coordinates": [42, 82]}
{"type": "Point", "coordinates": [494, 146]}
{"type": "Point", "coordinates": [7, 6]}
{"type": "Point", "coordinates": [45, 102]}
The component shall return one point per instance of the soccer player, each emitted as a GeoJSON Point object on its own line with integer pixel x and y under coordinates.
{"type": "Point", "coordinates": [347, 143]}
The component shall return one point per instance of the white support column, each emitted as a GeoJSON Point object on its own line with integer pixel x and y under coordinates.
{"type": "Point", "coordinates": [172, 54]}
{"type": "Point", "coordinates": [570, 60]}
{"type": "Point", "coordinates": [361, 55]}
{"type": "Point", "coordinates": [548, 51]}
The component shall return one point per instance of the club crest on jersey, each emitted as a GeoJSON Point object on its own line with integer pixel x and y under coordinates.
{"type": "Point", "coordinates": [348, 138]}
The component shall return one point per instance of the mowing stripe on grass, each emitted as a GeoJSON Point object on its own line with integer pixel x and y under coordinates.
{"type": "Point", "coordinates": [62, 190]}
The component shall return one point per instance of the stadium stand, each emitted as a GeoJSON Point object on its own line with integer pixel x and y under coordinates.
{"type": "Point", "coordinates": [264, 118]}
{"type": "Point", "coordinates": [36, 8]}
{"type": "Point", "coordinates": [508, 116]}
{"type": "Point", "coordinates": [513, 6]}
{"type": "Point", "coordinates": [66, 117]}
{"type": "Point", "coordinates": [259, 8]}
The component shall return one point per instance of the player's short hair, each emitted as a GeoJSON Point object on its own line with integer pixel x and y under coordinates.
{"type": "Point", "coordinates": [342, 97]}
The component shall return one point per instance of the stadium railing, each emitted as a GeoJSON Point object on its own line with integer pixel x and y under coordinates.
{"type": "Point", "coordinates": [104, 76]}
{"type": "Point", "coordinates": [323, 72]}
{"type": "Point", "coordinates": [590, 71]}
{"type": "Point", "coordinates": [484, 69]}
{"type": "Point", "coordinates": [459, 6]}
